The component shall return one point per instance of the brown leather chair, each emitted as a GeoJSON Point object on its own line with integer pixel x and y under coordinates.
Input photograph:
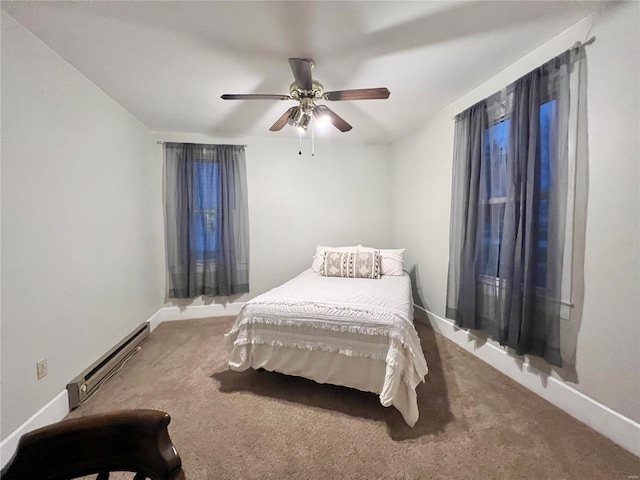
{"type": "Point", "coordinates": [129, 440]}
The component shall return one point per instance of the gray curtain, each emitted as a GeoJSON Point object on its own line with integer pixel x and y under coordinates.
{"type": "Point", "coordinates": [206, 220]}
{"type": "Point", "coordinates": [509, 208]}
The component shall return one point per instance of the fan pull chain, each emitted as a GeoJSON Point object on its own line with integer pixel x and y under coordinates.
{"type": "Point", "coordinates": [300, 144]}
{"type": "Point", "coordinates": [313, 136]}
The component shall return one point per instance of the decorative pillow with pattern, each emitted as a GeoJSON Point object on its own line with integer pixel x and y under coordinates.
{"type": "Point", "coordinates": [351, 264]}
{"type": "Point", "coordinates": [318, 258]}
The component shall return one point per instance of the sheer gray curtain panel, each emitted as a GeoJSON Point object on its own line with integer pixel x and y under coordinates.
{"type": "Point", "coordinates": [206, 220]}
{"type": "Point", "coordinates": [513, 162]}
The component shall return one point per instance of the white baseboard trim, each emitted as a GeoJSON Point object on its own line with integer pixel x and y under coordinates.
{"type": "Point", "coordinates": [52, 412]}
{"type": "Point", "coordinates": [620, 429]}
{"type": "Point", "coordinates": [174, 313]}
{"type": "Point", "coordinates": [58, 408]}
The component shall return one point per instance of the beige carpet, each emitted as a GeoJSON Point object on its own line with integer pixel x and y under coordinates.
{"type": "Point", "coordinates": [474, 422]}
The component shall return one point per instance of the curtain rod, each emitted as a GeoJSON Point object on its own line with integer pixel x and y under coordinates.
{"type": "Point", "coordinates": [578, 44]}
{"type": "Point", "coordinates": [584, 44]}
{"type": "Point", "coordinates": [160, 142]}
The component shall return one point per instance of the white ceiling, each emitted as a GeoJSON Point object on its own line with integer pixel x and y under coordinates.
{"type": "Point", "coordinates": [168, 62]}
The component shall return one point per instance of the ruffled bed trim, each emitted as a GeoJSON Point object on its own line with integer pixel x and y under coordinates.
{"type": "Point", "coordinates": [362, 320]}
{"type": "Point", "coordinates": [395, 364]}
{"type": "Point", "coordinates": [333, 316]}
{"type": "Point", "coordinates": [311, 346]}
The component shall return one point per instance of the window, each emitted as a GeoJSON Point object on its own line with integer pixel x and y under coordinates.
{"type": "Point", "coordinates": [205, 243]}
{"type": "Point", "coordinates": [518, 203]}
{"type": "Point", "coordinates": [496, 141]}
{"type": "Point", "coordinates": [495, 178]}
{"type": "Point", "coordinates": [206, 220]}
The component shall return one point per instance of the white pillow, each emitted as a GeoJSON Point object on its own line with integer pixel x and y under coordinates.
{"type": "Point", "coordinates": [318, 258]}
{"type": "Point", "coordinates": [390, 259]}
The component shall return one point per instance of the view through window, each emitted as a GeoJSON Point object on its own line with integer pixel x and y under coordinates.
{"type": "Point", "coordinates": [496, 177]}
{"type": "Point", "coordinates": [205, 243]}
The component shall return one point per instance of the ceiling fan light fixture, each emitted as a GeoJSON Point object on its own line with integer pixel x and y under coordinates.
{"type": "Point", "coordinates": [295, 117]}
{"type": "Point", "coordinates": [322, 121]}
{"type": "Point", "coordinates": [304, 121]}
{"type": "Point", "coordinates": [299, 118]}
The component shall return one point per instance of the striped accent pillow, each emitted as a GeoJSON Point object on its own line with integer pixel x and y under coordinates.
{"type": "Point", "coordinates": [351, 264]}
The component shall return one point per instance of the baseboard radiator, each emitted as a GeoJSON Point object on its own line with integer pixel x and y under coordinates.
{"type": "Point", "coordinates": [84, 385]}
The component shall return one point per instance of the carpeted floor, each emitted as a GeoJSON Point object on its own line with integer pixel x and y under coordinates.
{"type": "Point", "coordinates": [474, 422]}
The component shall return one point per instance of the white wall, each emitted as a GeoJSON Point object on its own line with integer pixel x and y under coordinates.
{"type": "Point", "coordinates": [82, 253]}
{"type": "Point", "coordinates": [339, 197]}
{"type": "Point", "coordinates": [83, 239]}
{"type": "Point", "coordinates": [608, 352]}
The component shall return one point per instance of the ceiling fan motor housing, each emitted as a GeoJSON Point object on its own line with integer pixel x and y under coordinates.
{"type": "Point", "coordinates": [297, 93]}
{"type": "Point", "coordinates": [301, 116]}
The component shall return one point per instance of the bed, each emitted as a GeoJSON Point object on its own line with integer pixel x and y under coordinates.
{"type": "Point", "coordinates": [354, 332]}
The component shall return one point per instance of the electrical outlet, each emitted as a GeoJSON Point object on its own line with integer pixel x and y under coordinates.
{"type": "Point", "coordinates": [41, 368]}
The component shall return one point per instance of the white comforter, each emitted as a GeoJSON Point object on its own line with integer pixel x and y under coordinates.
{"type": "Point", "coordinates": [353, 332]}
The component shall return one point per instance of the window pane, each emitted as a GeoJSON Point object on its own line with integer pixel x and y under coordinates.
{"type": "Point", "coordinates": [492, 238]}
{"type": "Point", "coordinates": [496, 142]}
{"type": "Point", "coordinates": [494, 169]}
{"type": "Point", "coordinates": [206, 235]}
{"type": "Point", "coordinates": [208, 178]}
{"type": "Point", "coordinates": [547, 115]}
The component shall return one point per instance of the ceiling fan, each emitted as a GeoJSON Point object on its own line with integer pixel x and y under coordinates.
{"type": "Point", "coordinates": [307, 92]}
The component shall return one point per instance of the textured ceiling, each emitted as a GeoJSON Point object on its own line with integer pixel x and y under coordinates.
{"type": "Point", "coordinates": [168, 62]}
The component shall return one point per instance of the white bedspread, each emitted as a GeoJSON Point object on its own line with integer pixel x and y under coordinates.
{"type": "Point", "coordinates": [353, 332]}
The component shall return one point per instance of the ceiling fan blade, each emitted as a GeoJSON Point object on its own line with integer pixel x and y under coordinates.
{"type": "Point", "coordinates": [301, 68]}
{"type": "Point", "coordinates": [253, 96]}
{"type": "Point", "coordinates": [360, 94]}
{"type": "Point", "coordinates": [338, 122]}
{"type": "Point", "coordinates": [282, 121]}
